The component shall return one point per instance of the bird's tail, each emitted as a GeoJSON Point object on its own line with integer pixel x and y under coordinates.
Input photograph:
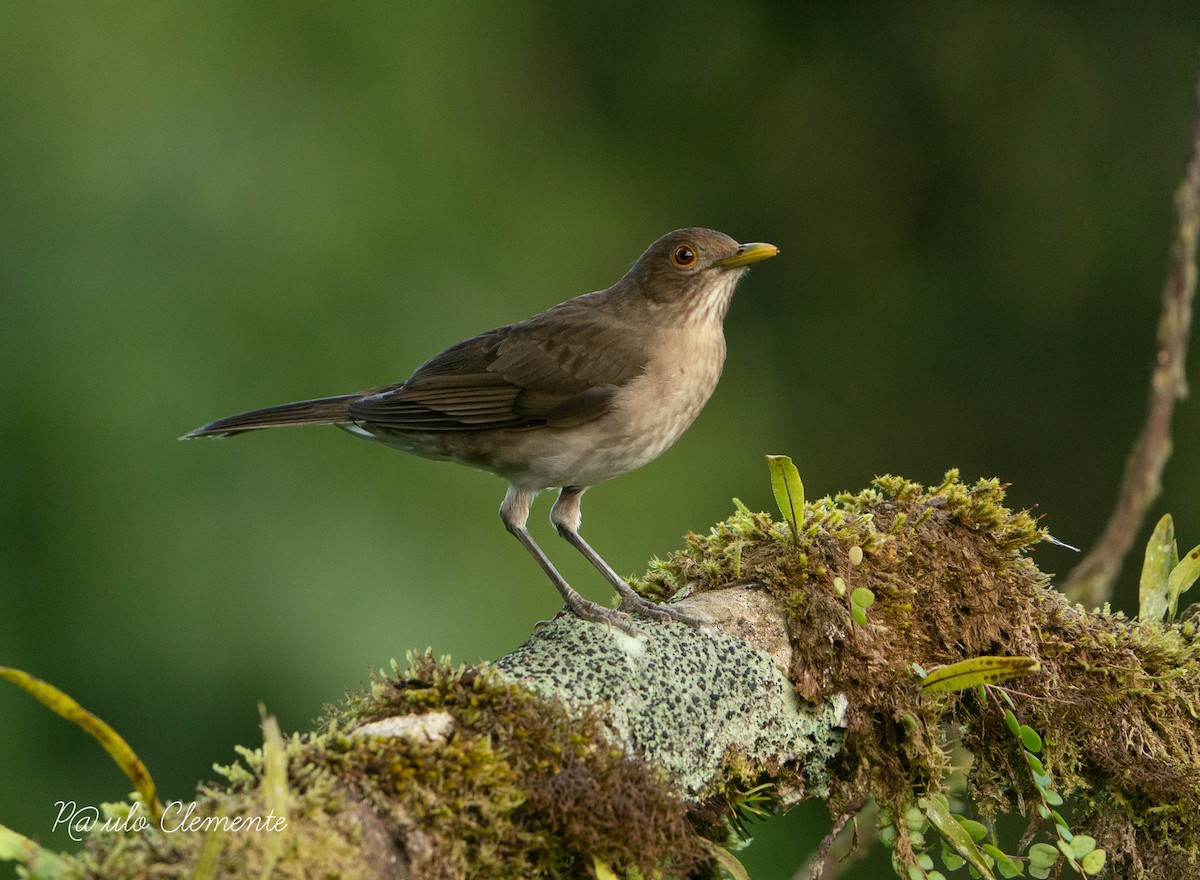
{"type": "Point", "coordinates": [323, 411]}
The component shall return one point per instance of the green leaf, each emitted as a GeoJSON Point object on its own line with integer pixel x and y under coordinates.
{"type": "Point", "coordinates": [862, 597]}
{"type": "Point", "coordinates": [1030, 738]}
{"type": "Point", "coordinates": [603, 871]}
{"type": "Point", "coordinates": [789, 492]}
{"type": "Point", "coordinates": [1082, 844]}
{"type": "Point", "coordinates": [726, 859]}
{"type": "Point", "coordinates": [1043, 855]}
{"type": "Point", "coordinates": [1186, 573]}
{"type": "Point", "coordinates": [977, 830]}
{"type": "Point", "coordinates": [860, 616]}
{"type": "Point", "coordinates": [1006, 866]}
{"type": "Point", "coordinates": [978, 670]}
{"type": "Point", "coordinates": [1161, 556]}
{"type": "Point", "coordinates": [955, 835]}
{"type": "Point", "coordinates": [1093, 862]}
{"type": "Point", "coordinates": [41, 863]}
{"type": "Point", "coordinates": [1013, 724]}
{"type": "Point", "coordinates": [274, 786]}
{"type": "Point", "coordinates": [1053, 798]}
{"type": "Point", "coordinates": [914, 819]}
{"type": "Point", "coordinates": [63, 705]}
{"type": "Point", "coordinates": [1035, 765]}
{"type": "Point", "coordinates": [952, 860]}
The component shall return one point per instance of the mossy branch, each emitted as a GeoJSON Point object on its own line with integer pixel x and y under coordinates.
{"type": "Point", "coordinates": [585, 747]}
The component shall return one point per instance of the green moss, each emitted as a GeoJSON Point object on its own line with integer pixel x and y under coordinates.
{"type": "Point", "coordinates": [522, 789]}
{"type": "Point", "coordinates": [517, 789]}
{"type": "Point", "coordinates": [501, 777]}
{"type": "Point", "coordinates": [1116, 701]}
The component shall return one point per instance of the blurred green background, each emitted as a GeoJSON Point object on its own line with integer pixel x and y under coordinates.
{"type": "Point", "coordinates": [209, 207]}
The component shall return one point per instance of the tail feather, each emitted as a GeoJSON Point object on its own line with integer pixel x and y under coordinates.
{"type": "Point", "coordinates": [323, 411]}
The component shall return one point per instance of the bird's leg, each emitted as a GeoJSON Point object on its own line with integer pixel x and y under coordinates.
{"type": "Point", "coordinates": [514, 512]}
{"type": "Point", "coordinates": [566, 517]}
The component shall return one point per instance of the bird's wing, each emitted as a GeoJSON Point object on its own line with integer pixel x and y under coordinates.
{"type": "Point", "coordinates": [560, 368]}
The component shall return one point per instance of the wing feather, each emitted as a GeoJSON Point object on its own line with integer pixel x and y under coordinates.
{"type": "Point", "coordinates": [562, 367]}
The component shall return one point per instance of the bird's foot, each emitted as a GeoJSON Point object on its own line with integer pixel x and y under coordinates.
{"type": "Point", "coordinates": [622, 617]}
{"type": "Point", "coordinates": [634, 604]}
{"type": "Point", "coordinates": [610, 617]}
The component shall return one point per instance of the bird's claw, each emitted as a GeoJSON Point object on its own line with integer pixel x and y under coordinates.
{"type": "Point", "coordinates": [610, 617]}
{"type": "Point", "coordinates": [640, 607]}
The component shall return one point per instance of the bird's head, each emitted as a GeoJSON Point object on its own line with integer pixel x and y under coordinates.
{"type": "Point", "coordinates": [694, 270]}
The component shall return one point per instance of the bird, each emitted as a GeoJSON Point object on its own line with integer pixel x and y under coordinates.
{"type": "Point", "coordinates": [586, 391]}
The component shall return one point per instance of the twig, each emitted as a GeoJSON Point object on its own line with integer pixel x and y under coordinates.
{"type": "Point", "coordinates": [1092, 580]}
{"type": "Point", "coordinates": [818, 866]}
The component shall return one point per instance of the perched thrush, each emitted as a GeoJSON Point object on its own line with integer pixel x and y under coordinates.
{"type": "Point", "coordinates": [581, 393]}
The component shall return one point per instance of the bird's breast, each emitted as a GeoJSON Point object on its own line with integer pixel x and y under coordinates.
{"type": "Point", "coordinates": [649, 413]}
{"type": "Point", "coordinates": [655, 408]}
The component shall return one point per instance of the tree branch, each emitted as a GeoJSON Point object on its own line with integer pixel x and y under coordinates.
{"type": "Point", "coordinates": [1091, 581]}
{"type": "Point", "coordinates": [586, 748]}
{"type": "Point", "coordinates": [589, 752]}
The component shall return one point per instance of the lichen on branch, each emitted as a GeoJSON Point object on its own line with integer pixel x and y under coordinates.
{"type": "Point", "coordinates": [586, 746]}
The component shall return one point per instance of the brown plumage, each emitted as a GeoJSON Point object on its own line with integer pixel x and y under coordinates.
{"type": "Point", "coordinates": [585, 391]}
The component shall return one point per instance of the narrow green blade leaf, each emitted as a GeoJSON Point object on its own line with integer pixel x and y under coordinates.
{"type": "Point", "coordinates": [789, 491]}
{"type": "Point", "coordinates": [41, 863]}
{"type": "Point", "coordinates": [1182, 577]}
{"type": "Point", "coordinates": [978, 670]}
{"type": "Point", "coordinates": [1156, 571]}
{"type": "Point", "coordinates": [727, 860]}
{"type": "Point", "coordinates": [954, 834]}
{"type": "Point", "coordinates": [274, 786]}
{"type": "Point", "coordinates": [63, 705]}
{"type": "Point", "coordinates": [603, 871]}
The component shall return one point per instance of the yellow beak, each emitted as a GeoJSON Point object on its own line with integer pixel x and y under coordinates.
{"type": "Point", "coordinates": [749, 253]}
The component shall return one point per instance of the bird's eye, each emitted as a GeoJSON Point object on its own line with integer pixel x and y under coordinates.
{"type": "Point", "coordinates": [684, 256]}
